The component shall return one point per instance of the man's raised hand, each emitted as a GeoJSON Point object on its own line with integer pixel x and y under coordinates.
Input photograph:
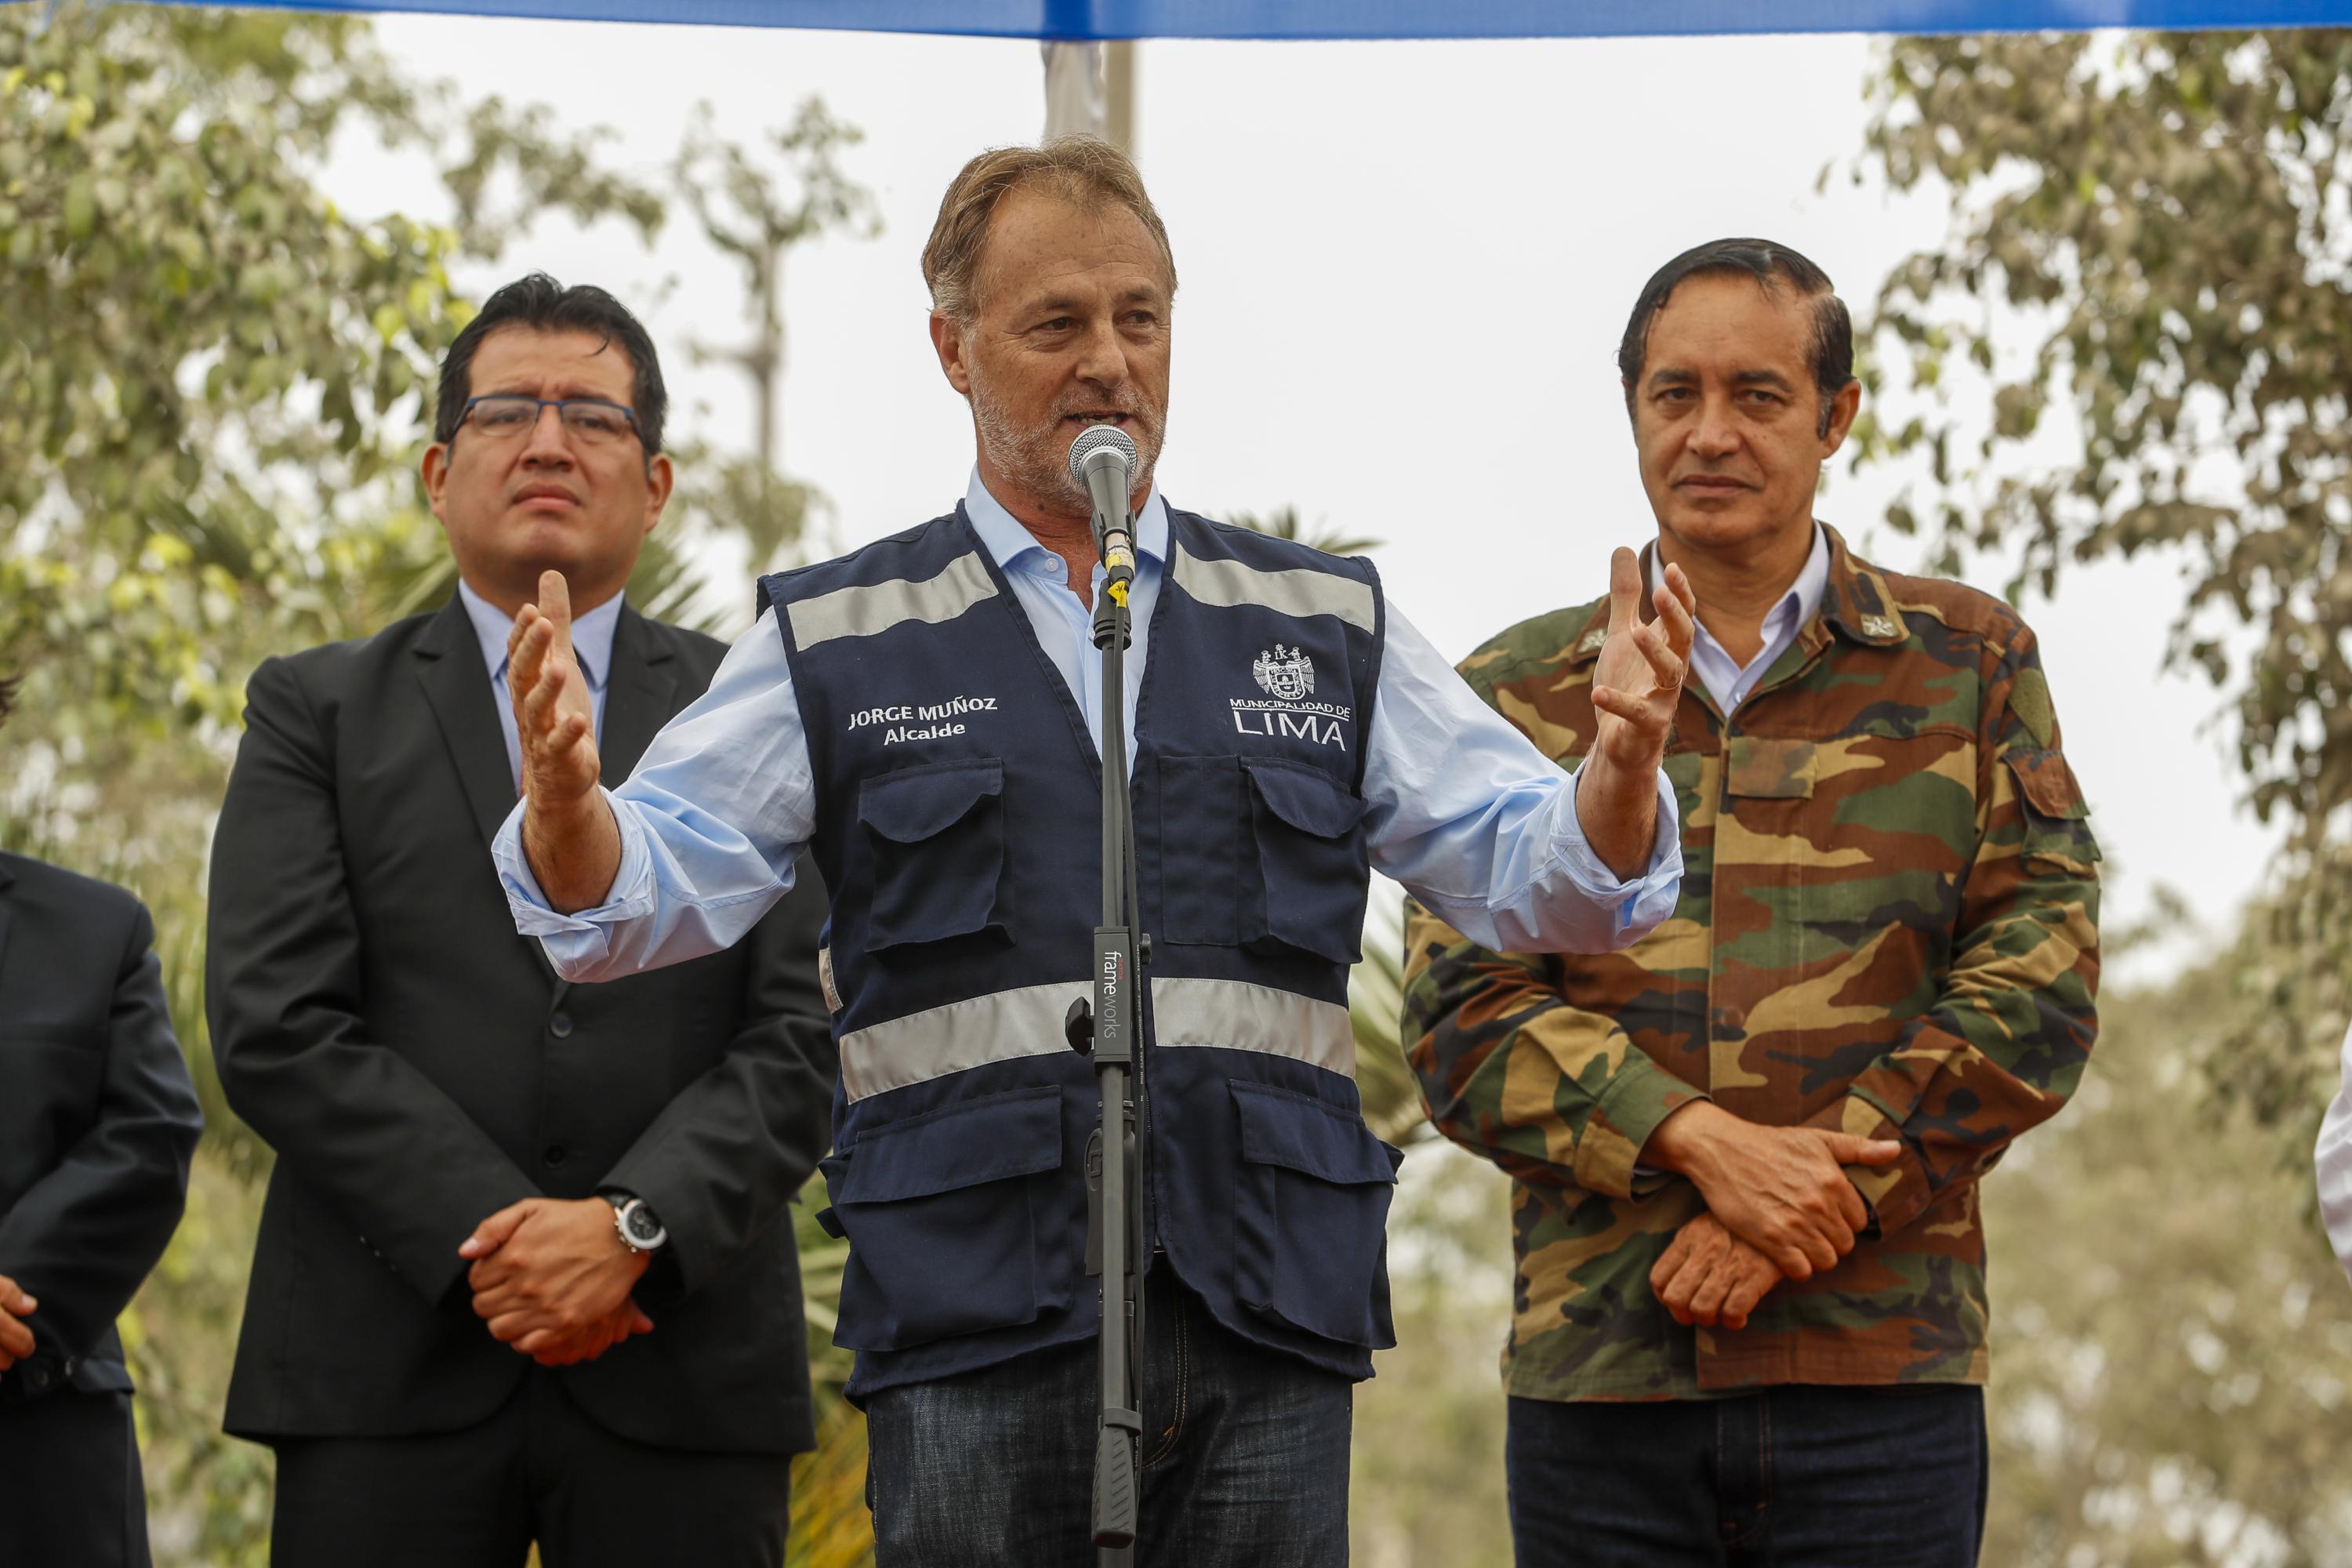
{"type": "Point", "coordinates": [554, 715]}
{"type": "Point", "coordinates": [568, 832]}
{"type": "Point", "coordinates": [1636, 683]}
{"type": "Point", "coordinates": [1638, 679]}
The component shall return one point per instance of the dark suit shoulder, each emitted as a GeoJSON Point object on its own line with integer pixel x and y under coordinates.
{"type": "Point", "coordinates": [329, 666]}
{"type": "Point", "coordinates": [95, 910]}
{"type": "Point", "coordinates": [307, 689]}
{"type": "Point", "coordinates": [700, 651]}
{"type": "Point", "coordinates": [681, 661]}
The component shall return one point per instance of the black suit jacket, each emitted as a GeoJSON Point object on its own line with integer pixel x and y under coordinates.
{"type": "Point", "coordinates": [97, 1117]}
{"type": "Point", "coordinates": [417, 1065]}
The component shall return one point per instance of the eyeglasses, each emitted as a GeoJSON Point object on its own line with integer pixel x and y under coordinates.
{"type": "Point", "coordinates": [507, 415]}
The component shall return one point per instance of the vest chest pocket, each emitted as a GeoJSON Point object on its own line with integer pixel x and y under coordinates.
{"type": "Point", "coordinates": [1310, 1215]}
{"type": "Point", "coordinates": [1312, 873]}
{"type": "Point", "coordinates": [943, 1216]}
{"type": "Point", "coordinates": [936, 835]}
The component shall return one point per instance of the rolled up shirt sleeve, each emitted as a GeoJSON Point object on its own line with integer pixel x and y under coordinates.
{"type": "Point", "coordinates": [1482, 827]}
{"type": "Point", "coordinates": [710, 823]}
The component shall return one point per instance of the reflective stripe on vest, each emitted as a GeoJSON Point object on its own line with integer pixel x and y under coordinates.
{"type": "Point", "coordinates": [1006, 1026]}
{"type": "Point", "coordinates": [1245, 1017]}
{"type": "Point", "coordinates": [863, 611]}
{"type": "Point", "coordinates": [1000, 1026]}
{"type": "Point", "coordinates": [1297, 591]}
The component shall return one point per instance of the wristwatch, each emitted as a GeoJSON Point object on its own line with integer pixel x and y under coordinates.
{"type": "Point", "coordinates": [640, 1228]}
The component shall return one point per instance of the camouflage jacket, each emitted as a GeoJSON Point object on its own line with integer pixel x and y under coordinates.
{"type": "Point", "coordinates": [1887, 925]}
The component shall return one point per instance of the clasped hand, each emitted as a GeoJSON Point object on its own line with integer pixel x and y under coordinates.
{"type": "Point", "coordinates": [552, 1278]}
{"type": "Point", "coordinates": [1709, 1277]}
{"type": "Point", "coordinates": [1780, 1205]}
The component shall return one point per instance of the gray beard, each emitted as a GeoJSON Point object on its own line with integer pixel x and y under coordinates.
{"type": "Point", "coordinates": [1039, 459]}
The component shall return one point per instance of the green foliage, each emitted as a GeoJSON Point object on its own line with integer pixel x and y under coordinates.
{"type": "Point", "coordinates": [1426, 1487]}
{"type": "Point", "coordinates": [210, 383]}
{"type": "Point", "coordinates": [754, 215]}
{"type": "Point", "coordinates": [214, 372]}
{"type": "Point", "coordinates": [830, 1527]}
{"type": "Point", "coordinates": [2275, 1062]}
{"type": "Point", "coordinates": [197, 344]}
{"type": "Point", "coordinates": [2148, 281]}
{"type": "Point", "coordinates": [214, 383]}
{"type": "Point", "coordinates": [2151, 238]}
{"type": "Point", "coordinates": [2172, 1360]}
{"type": "Point", "coordinates": [1391, 1096]}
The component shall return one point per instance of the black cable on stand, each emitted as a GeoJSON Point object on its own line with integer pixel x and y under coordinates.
{"type": "Point", "coordinates": [1102, 459]}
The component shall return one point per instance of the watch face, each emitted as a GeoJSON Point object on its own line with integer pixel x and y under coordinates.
{"type": "Point", "coordinates": [642, 1224]}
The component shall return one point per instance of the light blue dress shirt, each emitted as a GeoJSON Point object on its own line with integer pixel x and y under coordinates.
{"type": "Point", "coordinates": [1727, 681]}
{"type": "Point", "coordinates": [1462, 809]}
{"type": "Point", "coordinates": [592, 645]}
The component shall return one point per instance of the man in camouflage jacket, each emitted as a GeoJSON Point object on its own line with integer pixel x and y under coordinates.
{"type": "Point", "coordinates": [1745, 1150]}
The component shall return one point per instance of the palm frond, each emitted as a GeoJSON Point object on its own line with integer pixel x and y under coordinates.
{"type": "Point", "coordinates": [1282, 523]}
{"type": "Point", "coordinates": [1391, 1096]}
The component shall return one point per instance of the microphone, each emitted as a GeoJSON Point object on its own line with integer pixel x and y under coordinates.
{"type": "Point", "coordinates": [1103, 461]}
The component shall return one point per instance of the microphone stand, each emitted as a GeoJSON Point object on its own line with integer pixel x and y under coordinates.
{"type": "Point", "coordinates": [1110, 1031]}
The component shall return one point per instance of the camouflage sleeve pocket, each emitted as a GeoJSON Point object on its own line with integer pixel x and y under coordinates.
{"type": "Point", "coordinates": [2057, 829]}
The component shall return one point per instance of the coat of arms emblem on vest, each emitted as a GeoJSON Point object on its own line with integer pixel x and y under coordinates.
{"type": "Point", "coordinates": [1286, 673]}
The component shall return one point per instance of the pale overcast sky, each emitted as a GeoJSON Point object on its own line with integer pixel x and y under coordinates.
{"type": "Point", "coordinates": [1405, 270]}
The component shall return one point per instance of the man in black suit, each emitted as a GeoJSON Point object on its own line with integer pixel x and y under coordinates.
{"type": "Point", "coordinates": [97, 1124]}
{"type": "Point", "coordinates": [479, 1167]}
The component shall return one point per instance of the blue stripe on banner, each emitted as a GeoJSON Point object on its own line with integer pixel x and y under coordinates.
{"type": "Point", "coordinates": [1298, 19]}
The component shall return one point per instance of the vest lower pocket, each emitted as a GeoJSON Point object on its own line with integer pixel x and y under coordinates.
{"type": "Point", "coordinates": [1310, 1215]}
{"type": "Point", "coordinates": [1313, 870]}
{"type": "Point", "coordinates": [936, 835]}
{"type": "Point", "coordinates": [941, 1212]}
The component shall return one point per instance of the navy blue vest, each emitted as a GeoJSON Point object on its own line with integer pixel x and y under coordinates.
{"type": "Point", "coordinates": [958, 827]}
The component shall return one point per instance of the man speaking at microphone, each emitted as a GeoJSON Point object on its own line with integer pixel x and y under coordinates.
{"type": "Point", "coordinates": [923, 714]}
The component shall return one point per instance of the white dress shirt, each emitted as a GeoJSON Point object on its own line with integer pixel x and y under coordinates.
{"type": "Point", "coordinates": [1725, 679]}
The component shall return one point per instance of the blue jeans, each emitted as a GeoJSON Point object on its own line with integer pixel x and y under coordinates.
{"type": "Point", "coordinates": [1245, 1456]}
{"type": "Point", "coordinates": [1800, 1477]}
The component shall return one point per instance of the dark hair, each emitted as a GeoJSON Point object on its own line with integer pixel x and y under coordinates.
{"type": "Point", "coordinates": [1772, 265]}
{"type": "Point", "coordinates": [8, 695]}
{"type": "Point", "coordinates": [541, 303]}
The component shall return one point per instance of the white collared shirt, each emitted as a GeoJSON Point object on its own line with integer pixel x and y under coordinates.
{"type": "Point", "coordinates": [592, 645]}
{"type": "Point", "coordinates": [1040, 580]}
{"type": "Point", "coordinates": [1727, 681]}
